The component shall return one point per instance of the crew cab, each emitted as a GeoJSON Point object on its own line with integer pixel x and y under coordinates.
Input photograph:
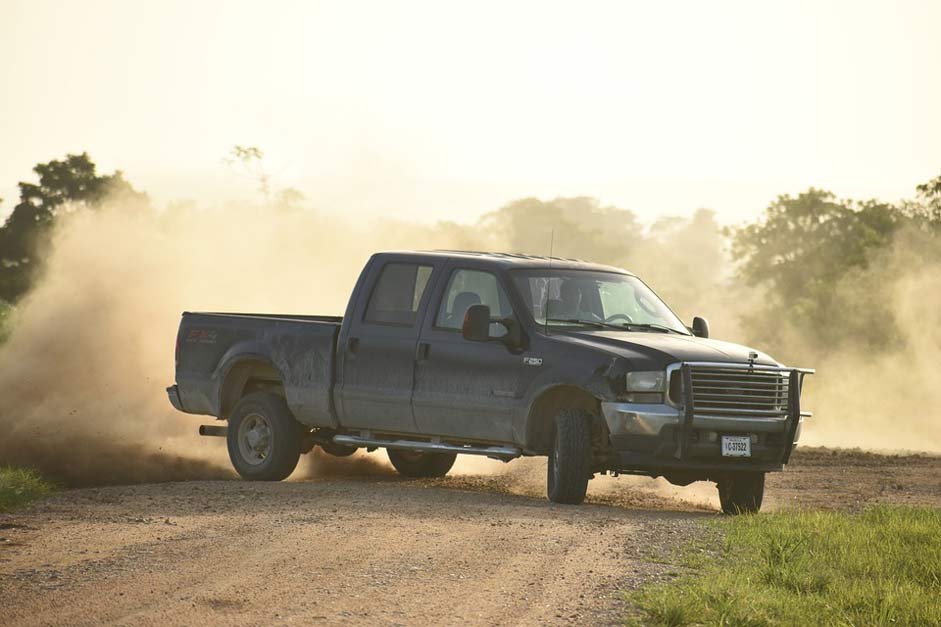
{"type": "Point", "coordinates": [443, 353]}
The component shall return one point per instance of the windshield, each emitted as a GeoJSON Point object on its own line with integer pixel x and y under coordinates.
{"type": "Point", "coordinates": [600, 299]}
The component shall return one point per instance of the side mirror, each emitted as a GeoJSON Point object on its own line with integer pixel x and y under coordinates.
{"type": "Point", "coordinates": [476, 323]}
{"type": "Point", "coordinates": [700, 327]}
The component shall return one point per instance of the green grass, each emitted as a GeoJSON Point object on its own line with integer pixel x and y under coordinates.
{"type": "Point", "coordinates": [19, 486]}
{"type": "Point", "coordinates": [878, 567]}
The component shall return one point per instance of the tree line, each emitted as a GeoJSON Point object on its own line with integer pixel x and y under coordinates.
{"type": "Point", "coordinates": [821, 264]}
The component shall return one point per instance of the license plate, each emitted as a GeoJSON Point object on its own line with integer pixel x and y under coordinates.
{"type": "Point", "coordinates": [736, 446]}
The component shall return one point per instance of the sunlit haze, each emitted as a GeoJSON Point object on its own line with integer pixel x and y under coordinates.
{"type": "Point", "coordinates": [431, 111]}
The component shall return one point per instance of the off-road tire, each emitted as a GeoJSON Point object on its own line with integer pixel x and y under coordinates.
{"type": "Point", "coordinates": [569, 467]}
{"type": "Point", "coordinates": [421, 465]}
{"type": "Point", "coordinates": [741, 492]}
{"type": "Point", "coordinates": [285, 436]}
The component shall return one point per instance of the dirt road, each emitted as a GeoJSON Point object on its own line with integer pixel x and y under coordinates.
{"type": "Point", "coordinates": [359, 545]}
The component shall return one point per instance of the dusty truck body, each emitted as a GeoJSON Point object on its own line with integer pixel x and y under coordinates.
{"type": "Point", "coordinates": [445, 353]}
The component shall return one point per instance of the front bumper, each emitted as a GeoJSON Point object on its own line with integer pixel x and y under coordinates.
{"type": "Point", "coordinates": [650, 419]}
{"type": "Point", "coordinates": [646, 437]}
{"type": "Point", "coordinates": [669, 439]}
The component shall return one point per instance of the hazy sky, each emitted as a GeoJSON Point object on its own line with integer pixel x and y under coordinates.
{"type": "Point", "coordinates": [446, 110]}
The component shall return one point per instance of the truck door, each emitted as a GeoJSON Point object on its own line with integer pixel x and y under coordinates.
{"type": "Point", "coordinates": [462, 388]}
{"type": "Point", "coordinates": [378, 354]}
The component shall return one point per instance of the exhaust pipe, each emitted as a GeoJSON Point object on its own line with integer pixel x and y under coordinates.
{"type": "Point", "coordinates": [219, 431]}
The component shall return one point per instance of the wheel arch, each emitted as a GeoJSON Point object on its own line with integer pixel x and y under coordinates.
{"type": "Point", "coordinates": [540, 425]}
{"type": "Point", "coordinates": [244, 374]}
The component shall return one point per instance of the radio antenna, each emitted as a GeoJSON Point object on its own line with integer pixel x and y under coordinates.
{"type": "Point", "coordinates": [549, 280]}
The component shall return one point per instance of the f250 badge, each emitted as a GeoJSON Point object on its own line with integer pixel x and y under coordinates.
{"type": "Point", "coordinates": [532, 361]}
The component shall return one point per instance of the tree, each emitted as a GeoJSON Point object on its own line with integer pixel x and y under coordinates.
{"type": "Point", "coordinates": [249, 162]}
{"type": "Point", "coordinates": [683, 259]}
{"type": "Point", "coordinates": [70, 184]}
{"type": "Point", "coordinates": [822, 264]}
{"type": "Point", "coordinates": [582, 228]}
{"type": "Point", "coordinates": [929, 201]}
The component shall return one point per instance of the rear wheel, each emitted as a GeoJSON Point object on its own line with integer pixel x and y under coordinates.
{"type": "Point", "coordinates": [741, 492]}
{"type": "Point", "coordinates": [263, 438]}
{"type": "Point", "coordinates": [569, 468]}
{"type": "Point", "coordinates": [417, 464]}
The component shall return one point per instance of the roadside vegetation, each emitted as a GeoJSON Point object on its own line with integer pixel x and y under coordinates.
{"type": "Point", "coordinates": [878, 567]}
{"type": "Point", "coordinates": [6, 312]}
{"type": "Point", "coordinates": [19, 487]}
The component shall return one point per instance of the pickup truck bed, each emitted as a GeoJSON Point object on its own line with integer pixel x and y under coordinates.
{"type": "Point", "coordinates": [222, 356]}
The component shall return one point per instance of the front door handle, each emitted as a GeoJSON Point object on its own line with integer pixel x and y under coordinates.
{"type": "Point", "coordinates": [424, 350]}
{"type": "Point", "coordinates": [353, 344]}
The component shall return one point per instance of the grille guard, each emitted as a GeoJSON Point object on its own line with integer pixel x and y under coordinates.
{"type": "Point", "coordinates": [795, 383]}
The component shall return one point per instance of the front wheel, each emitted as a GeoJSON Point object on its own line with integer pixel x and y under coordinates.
{"type": "Point", "coordinates": [263, 438]}
{"type": "Point", "coordinates": [741, 492]}
{"type": "Point", "coordinates": [421, 465]}
{"type": "Point", "coordinates": [569, 468]}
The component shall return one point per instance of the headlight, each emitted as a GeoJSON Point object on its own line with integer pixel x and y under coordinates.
{"type": "Point", "coordinates": [646, 381]}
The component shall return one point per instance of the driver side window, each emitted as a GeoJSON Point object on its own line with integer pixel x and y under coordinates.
{"type": "Point", "coordinates": [472, 287]}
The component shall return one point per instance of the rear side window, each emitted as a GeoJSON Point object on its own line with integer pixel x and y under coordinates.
{"type": "Point", "coordinates": [397, 294]}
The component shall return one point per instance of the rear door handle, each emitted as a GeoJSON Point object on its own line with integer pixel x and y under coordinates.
{"type": "Point", "coordinates": [353, 344]}
{"type": "Point", "coordinates": [424, 349]}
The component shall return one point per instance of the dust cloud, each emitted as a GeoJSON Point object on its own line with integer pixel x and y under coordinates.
{"type": "Point", "coordinates": [317, 465]}
{"type": "Point", "coordinates": [527, 477]}
{"type": "Point", "coordinates": [884, 401]}
{"type": "Point", "coordinates": [82, 376]}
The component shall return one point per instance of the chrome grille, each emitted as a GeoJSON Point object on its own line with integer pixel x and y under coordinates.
{"type": "Point", "coordinates": [742, 391]}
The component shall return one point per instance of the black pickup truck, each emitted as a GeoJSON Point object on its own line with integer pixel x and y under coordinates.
{"type": "Point", "coordinates": [502, 355]}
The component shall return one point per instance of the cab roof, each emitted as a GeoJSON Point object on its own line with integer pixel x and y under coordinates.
{"type": "Point", "coordinates": [510, 261]}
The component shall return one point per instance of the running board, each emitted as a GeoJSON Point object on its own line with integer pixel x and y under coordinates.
{"type": "Point", "coordinates": [504, 453]}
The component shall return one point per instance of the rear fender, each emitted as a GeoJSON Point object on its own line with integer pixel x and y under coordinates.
{"type": "Point", "coordinates": [231, 375]}
{"type": "Point", "coordinates": [304, 367]}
